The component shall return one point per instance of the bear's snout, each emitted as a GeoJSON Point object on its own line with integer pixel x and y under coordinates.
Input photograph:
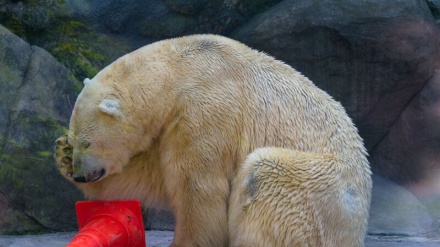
{"type": "Point", "coordinates": [91, 177]}
{"type": "Point", "coordinates": [86, 169]}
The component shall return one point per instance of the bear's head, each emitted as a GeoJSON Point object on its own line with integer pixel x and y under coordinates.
{"type": "Point", "coordinates": [120, 112]}
{"type": "Point", "coordinates": [103, 133]}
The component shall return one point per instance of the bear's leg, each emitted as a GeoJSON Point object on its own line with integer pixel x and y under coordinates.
{"type": "Point", "coordinates": [200, 208]}
{"type": "Point", "coordinates": [63, 157]}
{"type": "Point", "coordinates": [281, 197]}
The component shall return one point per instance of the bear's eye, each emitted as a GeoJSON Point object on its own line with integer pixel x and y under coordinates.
{"type": "Point", "coordinates": [85, 144]}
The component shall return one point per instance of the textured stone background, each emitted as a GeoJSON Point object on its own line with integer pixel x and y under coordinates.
{"type": "Point", "coordinates": [380, 59]}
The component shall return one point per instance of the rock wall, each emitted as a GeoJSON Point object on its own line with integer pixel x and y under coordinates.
{"type": "Point", "coordinates": [36, 98]}
{"type": "Point", "coordinates": [380, 59]}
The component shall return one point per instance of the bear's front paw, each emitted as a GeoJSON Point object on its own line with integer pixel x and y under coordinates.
{"type": "Point", "coordinates": [63, 156]}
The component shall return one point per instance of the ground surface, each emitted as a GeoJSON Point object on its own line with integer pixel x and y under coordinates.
{"type": "Point", "coordinates": [164, 238]}
{"type": "Point", "coordinates": [154, 239]}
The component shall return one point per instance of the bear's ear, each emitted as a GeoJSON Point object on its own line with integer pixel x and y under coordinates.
{"type": "Point", "coordinates": [87, 81]}
{"type": "Point", "coordinates": [110, 106]}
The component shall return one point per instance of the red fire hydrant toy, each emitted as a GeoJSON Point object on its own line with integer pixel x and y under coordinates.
{"type": "Point", "coordinates": [109, 224]}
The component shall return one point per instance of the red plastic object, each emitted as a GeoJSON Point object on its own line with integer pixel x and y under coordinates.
{"type": "Point", "coordinates": [109, 224]}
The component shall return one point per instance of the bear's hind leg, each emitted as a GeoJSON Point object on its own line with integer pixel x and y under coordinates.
{"type": "Point", "coordinates": [282, 197]}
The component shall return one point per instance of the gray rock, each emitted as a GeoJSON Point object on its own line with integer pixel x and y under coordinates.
{"type": "Point", "coordinates": [36, 98]}
{"type": "Point", "coordinates": [409, 153]}
{"type": "Point", "coordinates": [126, 18]}
{"type": "Point", "coordinates": [396, 211]}
{"type": "Point", "coordinates": [14, 57]}
{"type": "Point", "coordinates": [434, 5]}
{"type": "Point", "coordinates": [351, 49]}
{"type": "Point", "coordinates": [187, 7]}
{"type": "Point", "coordinates": [432, 203]}
{"type": "Point", "coordinates": [142, 22]}
{"type": "Point", "coordinates": [379, 59]}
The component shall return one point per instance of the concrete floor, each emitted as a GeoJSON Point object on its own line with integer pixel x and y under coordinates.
{"type": "Point", "coordinates": [154, 239]}
{"type": "Point", "coordinates": [164, 238]}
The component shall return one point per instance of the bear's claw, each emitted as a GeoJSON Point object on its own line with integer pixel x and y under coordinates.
{"type": "Point", "coordinates": [63, 156]}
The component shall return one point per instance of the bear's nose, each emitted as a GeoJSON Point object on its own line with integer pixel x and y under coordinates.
{"type": "Point", "coordinates": [80, 179]}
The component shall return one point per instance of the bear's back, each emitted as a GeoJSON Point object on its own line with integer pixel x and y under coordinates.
{"type": "Point", "coordinates": [269, 102]}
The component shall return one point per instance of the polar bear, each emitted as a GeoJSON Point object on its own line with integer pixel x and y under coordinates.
{"type": "Point", "coordinates": [244, 149]}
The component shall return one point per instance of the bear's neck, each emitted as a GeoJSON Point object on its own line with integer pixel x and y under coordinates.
{"type": "Point", "coordinates": [156, 104]}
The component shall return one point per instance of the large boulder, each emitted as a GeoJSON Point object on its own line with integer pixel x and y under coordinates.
{"type": "Point", "coordinates": [434, 5]}
{"type": "Point", "coordinates": [36, 98]}
{"type": "Point", "coordinates": [366, 54]}
{"type": "Point", "coordinates": [378, 58]}
{"type": "Point", "coordinates": [37, 95]}
{"type": "Point", "coordinates": [396, 211]}
{"type": "Point", "coordinates": [375, 57]}
{"type": "Point", "coordinates": [156, 19]}
{"type": "Point", "coordinates": [410, 151]}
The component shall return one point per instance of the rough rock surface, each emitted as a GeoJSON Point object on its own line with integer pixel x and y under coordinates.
{"type": "Point", "coordinates": [396, 211]}
{"type": "Point", "coordinates": [351, 49]}
{"type": "Point", "coordinates": [379, 58]}
{"type": "Point", "coordinates": [410, 151]}
{"type": "Point", "coordinates": [156, 19]}
{"type": "Point", "coordinates": [36, 99]}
